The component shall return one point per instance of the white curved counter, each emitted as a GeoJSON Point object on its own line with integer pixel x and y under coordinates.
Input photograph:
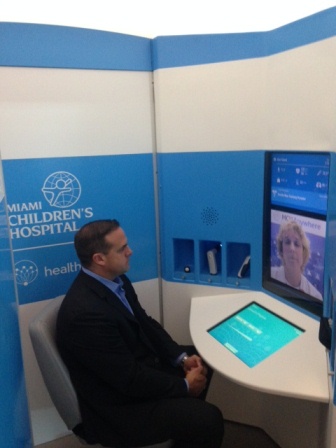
{"type": "Point", "coordinates": [299, 370]}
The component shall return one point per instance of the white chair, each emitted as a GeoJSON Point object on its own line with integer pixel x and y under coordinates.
{"type": "Point", "coordinates": [55, 374]}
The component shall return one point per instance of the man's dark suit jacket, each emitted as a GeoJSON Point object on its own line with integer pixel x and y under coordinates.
{"type": "Point", "coordinates": [115, 360]}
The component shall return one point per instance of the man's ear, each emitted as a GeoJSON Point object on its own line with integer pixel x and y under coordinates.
{"type": "Point", "coordinates": [98, 258]}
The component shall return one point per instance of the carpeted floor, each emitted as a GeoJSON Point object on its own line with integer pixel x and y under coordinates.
{"type": "Point", "coordinates": [236, 436]}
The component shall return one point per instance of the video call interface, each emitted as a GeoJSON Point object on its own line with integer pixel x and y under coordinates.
{"type": "Point", "coordinates": [254, 333]}
{"type": "Point", "coordinates": [299, 193]}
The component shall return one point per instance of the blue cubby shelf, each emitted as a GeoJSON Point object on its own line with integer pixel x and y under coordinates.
{"type": "Point", "coordinates": [222, 209]}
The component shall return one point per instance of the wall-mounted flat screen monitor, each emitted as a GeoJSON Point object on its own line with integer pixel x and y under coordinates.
{"type": "Point", "coordinates": [254, 333]}
{"type": "Point", "coordinates": [295, 214]}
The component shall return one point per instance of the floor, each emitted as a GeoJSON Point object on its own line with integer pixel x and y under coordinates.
{"type": "Point", "coordinates": [236, 436]}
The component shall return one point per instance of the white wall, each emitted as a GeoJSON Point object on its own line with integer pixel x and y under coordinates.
{"type": "Point", "coordinates": [282, 101]}
{"type": "Point", "coordinates": [56, 112]}
{"type": "Point", "coordinates": [149, 18]}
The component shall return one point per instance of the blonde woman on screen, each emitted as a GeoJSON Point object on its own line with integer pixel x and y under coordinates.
{"type": "Point", "coordinates": [294, 251]}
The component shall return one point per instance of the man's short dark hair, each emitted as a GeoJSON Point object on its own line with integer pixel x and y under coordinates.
{"type": "Point", "coordinates": [90, 239]}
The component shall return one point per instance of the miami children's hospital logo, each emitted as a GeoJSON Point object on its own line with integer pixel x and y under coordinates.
{"type": "Point", "coordinates": [61, 191]}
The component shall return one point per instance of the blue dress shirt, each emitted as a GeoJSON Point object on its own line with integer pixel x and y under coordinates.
{"type": "Point", "coordinates": [116, 286]}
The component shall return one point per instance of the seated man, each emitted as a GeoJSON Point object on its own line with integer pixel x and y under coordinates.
{"type": "Point", "coordinates": [136, 386]}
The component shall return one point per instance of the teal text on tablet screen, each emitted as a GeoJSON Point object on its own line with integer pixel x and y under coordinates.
{"type": "Point", "coordinates": [254, 333]}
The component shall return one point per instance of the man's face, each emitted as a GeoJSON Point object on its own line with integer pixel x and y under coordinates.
{"type": "Point", "coordinates": [116, 261]}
